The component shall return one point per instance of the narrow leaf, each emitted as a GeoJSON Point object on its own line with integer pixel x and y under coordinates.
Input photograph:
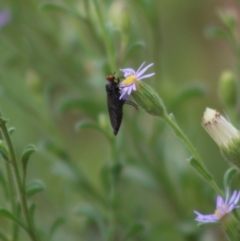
{"type": "Point", "coordinates": [7, 214]}
{"type": "Point", "coordinates": [134, 47]}
{"type": "Point", "coordinates": [94, 215]}
{"type": "Point", "coordinates": [200, 169]}
{"type": "Point", "coordinates": [53, 6]}
{"type": "Point", "coordinates": [215, 32]}
{"type": "Point", "coordinates": [135, 229]}
{"type": "Point", "coordinates": [3, 237]}
{"type": "Point", "coordinates": [26, 154]}
{"type": "Point", "coordinates": [34, 187]}
{"type": "Point", "coordinates": [188, 94]}
{"type": "Point", "coordinates": [32, 209]}
{"type": "Point", "coordinates": [87, 105]}
{"type": "Point", "coordinates": [11, 130]}
{"type": "Point", "coordinates": [228, 176]}
{"type": "Point", "coordinates": [4, 151]}
{"type": "Point", "coordinates": [83, 125]}
{"type": "Point", "coordinates": [56, 150]}
{"type": "Point", "coordinates": [56, 224]}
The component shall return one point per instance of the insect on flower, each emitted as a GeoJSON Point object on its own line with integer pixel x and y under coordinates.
{"type": "Point", "coordinates": [115, 104]}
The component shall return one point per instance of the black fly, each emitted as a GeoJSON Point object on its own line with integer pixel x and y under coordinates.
{"type": "Point", "coordinates": [115, 105]}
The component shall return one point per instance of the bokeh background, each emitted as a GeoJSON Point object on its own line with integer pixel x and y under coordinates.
{"type": "Point", "coordinates": [54, 58]}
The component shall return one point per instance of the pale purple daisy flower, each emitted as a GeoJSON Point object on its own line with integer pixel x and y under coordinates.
{"type": "Point", "coordinates": [131, 77]}
{"type": "Point", "coordinates": [222, 208]}
{"type": "Point", "coordinates": [5, 17]}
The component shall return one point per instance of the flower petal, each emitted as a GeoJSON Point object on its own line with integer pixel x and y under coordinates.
{"type": "Point", "coordinates": [146, 76]}
{"type": "Point", "coordinates": [232, 199]}
{"type": "Point", "coordinates": [5, 17]}
{"type": "Point", "coordinates": [129, 89]}
{"type": "Point", "coordinates": [143, 70]}
{"type": "Point", "coordinates": [127, 71]}
{"type": "Point", "coordinates": [124, 93]}
{"type": "Point", "coordinates": [205, 218]}
{"type": "Point", "coordinates": [220, 201]}
{"type": "Point", "coordinates": [134, 87]}
{"type": "Point", "coordinates": [227, 196]}
{"type": "Point", "coordinates": [140, 67]}
{"type": "Point", "coordinates": [237, 198]}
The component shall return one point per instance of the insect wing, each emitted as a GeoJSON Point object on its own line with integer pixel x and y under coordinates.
{"type": "Point", "coordinates": [115, 105]}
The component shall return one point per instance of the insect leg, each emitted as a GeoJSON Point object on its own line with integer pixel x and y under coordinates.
{"type": "Point", "coordinates": [131, 103]}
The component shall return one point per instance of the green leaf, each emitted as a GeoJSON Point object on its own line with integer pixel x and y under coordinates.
{"type": "Point", "coordinates": [105, 177]}
{"type": "Point", "coordinates": [48, 92]}
{"type": "Point", "coordinates": [3, 120]}
{"type": "Point", "coordinates": [83, 125]}
{"type": "Point", "coordinates": [91, 213]}
{"type": "Point", "coordinates": [26, 154]}
{"type": "Point", "coordinates": [140, 176]}
{"type": "Point", "coordinates": [3, 237]}
{"type": "Point", "coordinates": [188, 94]}
{"type": "Point", "coordinates": [228, 18]}
{"type": "Point", "coordinates": [200, 169]}
{"type": "Point", "coordinates": [34, 187]}
{"type": "Point", "coordinates": [110, 173]}
{"type": "Point", "coordinates": [32, 209]}
{"type": "Point", "coordinates": [53, 6]}
{"type": "Point", "coordinates": [89, 106]}
{"type": "Point", "coordinates": [116, 170]}
{"type": "Point", "coordinates": [7, 214]}
{"type": "Point", "coordinates": [11, 130]}
{"type": "Point", "coordinates": [4, 151]}
{"type": "Point", "coordinates": [56, 224]}
{"type": "Point", "coordinates": [135, 229]}
{"type": "Point", "coordinates": [134, 47]}
{"type": "Point", "coordinates": [65, 9]}
{"type": "Point", "coordinates": [56, 150]}
{"type": "Point", "coordinates": [216, 32]}
{"type": "Point", "coordinates": [228, 176]}
{"type": "Point", "coordinates": [4, 183]}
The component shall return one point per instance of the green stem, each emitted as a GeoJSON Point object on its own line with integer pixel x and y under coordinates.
{"type": "Point", "coordinates": [180, 134]}
{"type": "Point", "coordinates": [106, 38]}
{"type": "Point", "coordinates": [113, 193]}
{"type": "Point", "coordinates": [14, 207]}
{"type": "Point", "coordinates": [19, 185]}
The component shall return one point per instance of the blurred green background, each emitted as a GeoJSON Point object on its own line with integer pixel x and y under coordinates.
{"type": "Point", "coordinates": [54, 58]}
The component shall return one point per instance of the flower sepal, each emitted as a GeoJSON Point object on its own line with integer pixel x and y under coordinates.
{"type": "Point", "coordinates": [231, 226]}
{"type": "Point", "coordinates": [207, 224]}
{"type": "Point", "coordinates": [232, 152]}
{"type": "Point", "coordinates": [148, 100]}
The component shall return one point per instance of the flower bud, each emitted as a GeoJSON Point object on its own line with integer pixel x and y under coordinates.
{"type": "Point", "coordinates": [224, 134]}
{"type": "Point", "coordinates": [33, 81]}
{"type": "Point", "coordinates": [228, 18]}
{"type": "Point", "coordinates": [148, 99]}
{"type": "Point", "coordinates": [120, 16]}
{"type": "Point", "coordinates": [103, 121]}
{"type": "Point", "coordinates": [228, 89]}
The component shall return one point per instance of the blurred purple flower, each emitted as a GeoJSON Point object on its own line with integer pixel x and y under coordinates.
{"type": "Point", "coordinates": [223, 208]}
{"type": "Point", "coordinates": [5, 17]}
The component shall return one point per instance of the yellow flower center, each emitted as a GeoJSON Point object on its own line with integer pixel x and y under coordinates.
{"type": "Point", "coordinates": [131, 79]}
{"type": "Point", "coordinates": [219, 213]}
